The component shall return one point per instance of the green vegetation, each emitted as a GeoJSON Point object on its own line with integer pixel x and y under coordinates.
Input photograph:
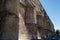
{"type": "Point", "coordinates": [58, 31]}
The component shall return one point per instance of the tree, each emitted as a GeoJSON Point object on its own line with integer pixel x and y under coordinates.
{"type": "Point", "coordinates": [58, 31]}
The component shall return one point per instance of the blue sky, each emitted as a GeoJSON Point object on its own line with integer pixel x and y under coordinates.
{"type": "Point", "coordinates": [52, 8]}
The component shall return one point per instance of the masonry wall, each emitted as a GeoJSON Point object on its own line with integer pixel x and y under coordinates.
{"type": "Point", "coordinates": [36, 20]}
{"type": "Point", "coordinates": [24, 20]}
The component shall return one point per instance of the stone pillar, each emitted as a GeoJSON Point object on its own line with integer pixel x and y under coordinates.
{"type": "Point", "coordinates": [23, 33]}
{"type": "Point", "coordinates": [31, 23]}
{"type": "Point", "coordinates": [9, 21]}
{"type": "Point", "coordinates": [40, 23]}
{"type": "Point", "coordinates": [8, 26]}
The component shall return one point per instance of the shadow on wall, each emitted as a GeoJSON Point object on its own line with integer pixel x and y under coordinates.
{"type": "Point", "coordinates": [8, 26]}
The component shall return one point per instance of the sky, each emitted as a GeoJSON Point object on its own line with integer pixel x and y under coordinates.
{"type": "Point", "coordinates": [52, 8]}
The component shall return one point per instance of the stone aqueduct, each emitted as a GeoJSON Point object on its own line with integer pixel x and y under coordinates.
{"type": "Point", "coordinates": [24, 20]}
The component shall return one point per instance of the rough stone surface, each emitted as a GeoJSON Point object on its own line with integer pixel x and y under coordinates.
{"type": "Point", "coordinates": [8, 26]}
{"type": "Point", "coordinates": [36, 21]}
{"type": "Point", "coordinates": [9, 21]}
{"type": "Point", "coordinates": [24, 20]}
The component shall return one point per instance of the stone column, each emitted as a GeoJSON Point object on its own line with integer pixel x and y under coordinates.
{"type": "Point", "coordinates": [40, 23]}
{"type": "Point", "coordinates": [23, 33]}
{"type": "Point", "coordinates": [9, 19]}
{"type": "Point", "coordinates": [30, 22]}
{"type": "Point", "coordinates": [8, 26]}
